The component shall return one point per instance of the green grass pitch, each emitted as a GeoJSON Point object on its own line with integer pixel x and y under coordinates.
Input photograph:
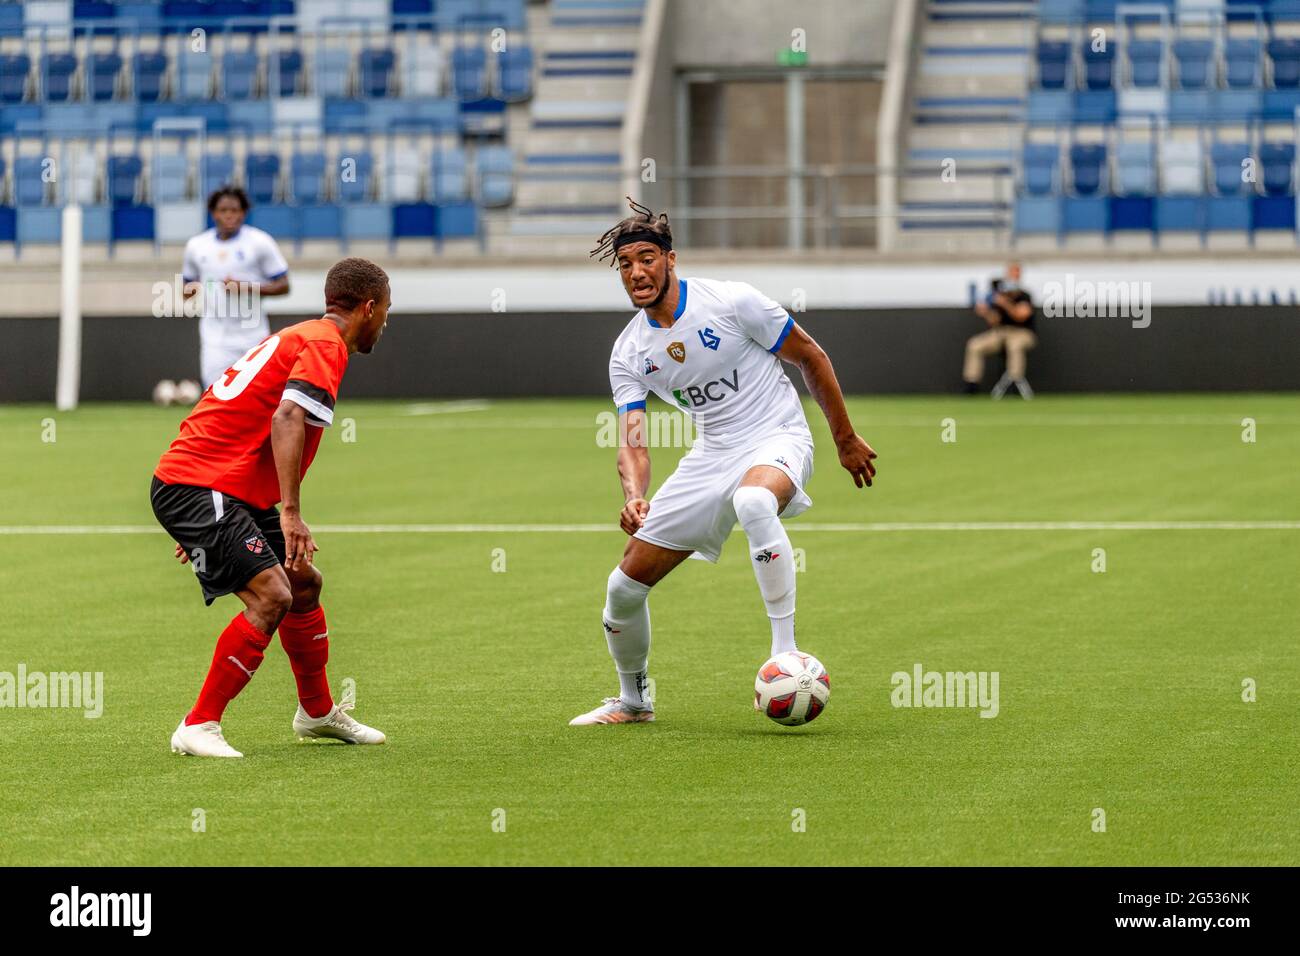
{"type": "Point", "coordinates": [1120, 690]}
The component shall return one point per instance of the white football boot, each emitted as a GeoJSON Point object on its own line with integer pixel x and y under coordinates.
{"type": "Point", "coordinates": [613, 711]}
{"type": "Point", "coordinates": [336, 725]}
{"type": "Point", "coordinates": [202, 740]}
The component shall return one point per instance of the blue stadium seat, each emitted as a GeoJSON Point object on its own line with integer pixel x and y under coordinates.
{"type": "Point", "coordinates": [1285, 54]}
{"type": "Point", "coordinates": [1193, 57]}
{"type": "Point", "coordinates": [423, 67]}
{"type": "Point", "coordinates": [1227, 214]}
{"type": "Point", "coordinates": [515, 73]}
{"type": "Point", "coordinates": [290, 64]}
{"type": "Point", "coordinates": [1278, 162]}
{"type": "Point", "coordinates": [450, 175]}
{"type": "Point", "coordinates": [1087, 161]}
{"type": "Point", "coordinates": [239, 74]}
{"type": "Point", "coordinates": [1053, 65]}
{"type": "Point", "coordinates": [105, 66]}
{"type": "Point", "coordinates": [309, 179]}
{"type": "Point", "coordinates": [1038, 214]}
{"type": "Point", "coordinates": [39, 226]}
{"type": "Point", "coordinates": [261, 173]}
{"type": "Point", "coordinates": [1227, 160]}
{"type": "Point", "coordinates": [218, 170]}
{"type": "Point", "coordinates": [1272, 212]}
{"type": "Point", "coordinates": [469, 72]}
{"type": "Point", "coordinates": [356, 175]}
{"type": "Point", "coordinates": [1241, 60]}
{"type": "Point", "coordinates": [413, 220]}
{"type": "Point", "coordinates": [1085, 214]}
{"type": "Point", "coordinates": [1098, 65]}
{"type": "Point", "coordinates": [496, 175]}
{"type": "Point", "coordinates": [376, 71]}
{"type": "Point", "coordinates": [169, 178]}
{"type": "Point", "coordinates": [1182, 168]}
{"type": "Point", "coordinates": [367, 220]}
{"type": "Point", "coordinates": [194, 75]}
{"type": "Point", "coordinates": [56, 76]}
{"type": "Point", "coordinates": [149, 67]}
{"type": "Point", "coordinates": [1130, 213]}
{"type": "Point", "coordinates": [124, 179]}
{"type": "Point", "coordinates": [14, 68]}
{"type": "Point", "coordinates": [29, 181]}
{"type": "Point", "coordinates": [1040, 161]}
{"type": "Point", "coordinates": [1135, 168]}
{"type": "Point", "coordinates": [320, 222]}
{"type": "Point", "coordinates": [1145, 59]}
{"type": "Point", "coordinates": [277, 219]}
{"type": "Point", "coordinates": [132, 224]}
{"type": "Point", "coordinates": [333, 71]}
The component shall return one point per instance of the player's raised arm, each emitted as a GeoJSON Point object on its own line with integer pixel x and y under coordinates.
{"type": "Point", "coordinates": [288, 438]}
{"type": "Point", "coordinates": [633, 468]}
{"type": "Point", "coordinates": [855, 454]}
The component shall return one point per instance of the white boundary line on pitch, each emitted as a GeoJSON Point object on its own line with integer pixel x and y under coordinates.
{"type": "Point", "coordinates": [795, 527]}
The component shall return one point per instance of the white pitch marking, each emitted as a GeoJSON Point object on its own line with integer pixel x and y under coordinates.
{"type": "Point", "coordinates": [796, 527]}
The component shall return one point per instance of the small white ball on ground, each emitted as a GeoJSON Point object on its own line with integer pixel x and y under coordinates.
{"type": "Point", "coordinates": [164, 393]}
{"type": "Point", "coordinates": [792, 688]}
{"type": "Point", "coordinates": [187, 392]}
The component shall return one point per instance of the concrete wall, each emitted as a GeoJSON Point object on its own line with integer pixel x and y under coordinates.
{"type": "Point", "coordinates": [748, 33]}
{"type": "Point", "coordinates": [1198, 348]}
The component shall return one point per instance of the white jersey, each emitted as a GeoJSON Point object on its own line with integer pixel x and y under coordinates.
{"type": "Point", "coordinates": [717, 362]}
{"type": "Point", "coordinates": [232, 324]}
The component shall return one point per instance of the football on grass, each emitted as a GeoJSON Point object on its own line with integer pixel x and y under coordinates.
{"type": "Point", "coordinates": [792, 688]}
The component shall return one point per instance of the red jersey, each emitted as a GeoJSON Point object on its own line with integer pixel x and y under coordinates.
{"type": "Point", "coordinates": [225, 443]}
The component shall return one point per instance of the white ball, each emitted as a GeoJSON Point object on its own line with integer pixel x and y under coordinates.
{"type": "Point", "coordinates": [792, 688]}
{"type": "Point", "coordinates": [164, 393]}
{"type": "Point", "coordinates": [187, 392]}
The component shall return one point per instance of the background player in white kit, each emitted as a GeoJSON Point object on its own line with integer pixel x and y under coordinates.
{"type": "Point", "coordinates": [234, 266]}
{"type": "Point", "coordinates": [715, 349]}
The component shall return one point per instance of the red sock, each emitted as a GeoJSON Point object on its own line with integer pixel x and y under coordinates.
{"type": "Point", "coordinates": [306, 640]}
{"type": "Point", "coordinates": [239, 652]}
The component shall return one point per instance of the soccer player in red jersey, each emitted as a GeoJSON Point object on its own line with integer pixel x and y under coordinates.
{"type": "Point", "coordinates": [246, 446]}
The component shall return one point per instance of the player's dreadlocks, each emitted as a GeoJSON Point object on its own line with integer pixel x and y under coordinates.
{"type": "Point", "coordinates": [642, 226]}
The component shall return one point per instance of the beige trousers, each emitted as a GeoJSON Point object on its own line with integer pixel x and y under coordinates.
{"type": "Point", "coordinates": [1016, 342]}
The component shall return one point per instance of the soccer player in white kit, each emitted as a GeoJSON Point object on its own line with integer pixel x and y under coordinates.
{"type": "Point", "coordinates": [714, 349]}
{"type": "Point", "coordinates": [233, 266]}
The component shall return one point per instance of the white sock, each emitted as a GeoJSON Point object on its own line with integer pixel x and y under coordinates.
{"type": "Point", "coordinates": [627, 632]}
{"type": "Point", "coordinates": [772, 558]}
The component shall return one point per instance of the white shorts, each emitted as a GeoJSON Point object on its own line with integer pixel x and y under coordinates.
{"type": "Point", "coordinates": [692, 511]}
{"type": "Point", "coordinates": [215, 359]}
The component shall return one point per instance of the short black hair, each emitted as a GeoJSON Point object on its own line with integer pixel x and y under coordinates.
{"type": "Point", "coordinates": [234, 192]}
{"type": "Point", "coordinates": [353, 281]}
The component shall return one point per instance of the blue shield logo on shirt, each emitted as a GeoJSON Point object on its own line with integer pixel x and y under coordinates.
{"type": "Point", "coordinates": [709, 338]}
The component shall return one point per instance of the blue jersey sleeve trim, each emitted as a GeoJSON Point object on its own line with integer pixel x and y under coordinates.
{"type": "Point", "coordinates": [780, 339]}
{"type": "Point", "coordinates": [278, 275]}
{"type": "Point", "coordinates": [631, 406]}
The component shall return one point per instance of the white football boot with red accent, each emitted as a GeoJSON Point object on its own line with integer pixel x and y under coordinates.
{"type": "Point", "coordinates": [613, 711]}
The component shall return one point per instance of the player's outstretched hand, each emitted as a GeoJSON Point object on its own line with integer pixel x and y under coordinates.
{"type": "Point", "coordinates": [633, 515]}
{"type": "Point", "coordinates": [857, 457]}
{"type": "Point", "coordinates": [299, 547]}
{"type": "Point", "coordinates": [181, 555]}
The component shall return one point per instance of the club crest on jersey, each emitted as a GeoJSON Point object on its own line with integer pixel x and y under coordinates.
{"type": "Point", "coordinates": [255, 543]}
{"type": "Point", "coordinates": [709, 338]}
{"type": "Point", "coordinates": [677, 351]}
{"type": "Point", "coordinates": [766, 556]}
{"type": "Point", "coordinates": [650, 366]}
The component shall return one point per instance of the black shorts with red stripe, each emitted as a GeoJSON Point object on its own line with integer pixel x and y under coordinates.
{"type": "Point", "coordinates": [229, 541]}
